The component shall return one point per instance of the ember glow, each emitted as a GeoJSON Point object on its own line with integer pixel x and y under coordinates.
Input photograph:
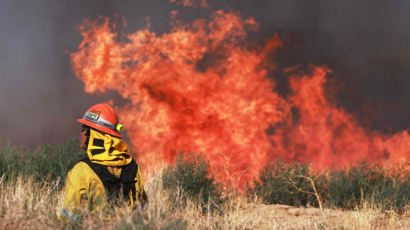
{"type": "Point", "coordinates": [200, 88]}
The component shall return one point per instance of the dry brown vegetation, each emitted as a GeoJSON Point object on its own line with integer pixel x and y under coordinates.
{"type": "Point", "coordinates": [26, 204]}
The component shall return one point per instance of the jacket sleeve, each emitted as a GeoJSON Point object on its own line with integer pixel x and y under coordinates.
{"type": "Point", "coordinates": [83, 189]}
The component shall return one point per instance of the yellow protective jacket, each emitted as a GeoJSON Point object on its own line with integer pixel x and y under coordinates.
{"type": "Point", "coordinates": [84, 189]}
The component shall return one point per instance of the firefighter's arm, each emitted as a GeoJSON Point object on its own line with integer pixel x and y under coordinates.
{"type": "Point", "coordinates": [75, 192]}
{"type": "Point", "coordinates": [83, 189]}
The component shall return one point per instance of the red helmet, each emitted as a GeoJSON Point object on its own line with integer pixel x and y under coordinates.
{"type": "Point", "coordinates": [103, 118]}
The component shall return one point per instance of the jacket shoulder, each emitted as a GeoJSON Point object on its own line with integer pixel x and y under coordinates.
{"type": "Point", "coordinates": [80, 167]}
{"type": "Point", "coordinates": [82, 172]}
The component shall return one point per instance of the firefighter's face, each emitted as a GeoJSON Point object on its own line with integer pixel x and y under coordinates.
{"type": "Point", "coordinates": [84, 136]}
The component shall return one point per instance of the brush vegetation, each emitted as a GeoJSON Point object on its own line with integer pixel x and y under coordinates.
{"type": "Point", "coordinates": [192, 180]}
{"type": "Point", "coordinates": [45, 164]}
{"type": "Point", "coordinates": [298, 184]}
{"type": "Point", "coordinates": [186, 196]}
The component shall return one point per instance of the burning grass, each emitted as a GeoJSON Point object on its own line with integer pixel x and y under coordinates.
{"type": "Point", "coordinates": [30, 200]}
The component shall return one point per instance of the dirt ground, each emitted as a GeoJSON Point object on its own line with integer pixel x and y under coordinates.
{"type": "Point", "coordinates": [288, 217]}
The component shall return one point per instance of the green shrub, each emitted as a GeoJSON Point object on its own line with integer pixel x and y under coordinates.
{"type": "Point", "coordinates": [281, 183]}
{"type": "Point", "coordinates": [9, 158]}
{"type": "Point", "coordinates": [48, 163]}
{"type": "Point", "coordinates": [45, 164]}
{"type": "Point", "coordinates": [369, 182]}
{"type": "Point", "coordinates": [190, 179]}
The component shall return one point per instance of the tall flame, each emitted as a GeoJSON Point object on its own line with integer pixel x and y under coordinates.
{"type": "Point", "coordinates": [199, 88]}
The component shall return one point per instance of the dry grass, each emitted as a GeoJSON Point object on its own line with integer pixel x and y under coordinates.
{"type": "Point", "coordinates": [25, 204]}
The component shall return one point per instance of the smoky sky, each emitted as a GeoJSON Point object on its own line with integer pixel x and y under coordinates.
{"type": "Point", "coordinates": [366, 44]}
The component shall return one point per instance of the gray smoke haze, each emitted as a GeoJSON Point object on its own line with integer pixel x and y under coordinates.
{"type": "Point", "coordinates": [366, 43]}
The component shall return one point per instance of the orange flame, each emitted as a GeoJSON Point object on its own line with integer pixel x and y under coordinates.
{"type": "Point", "coordinates": [198, 88]}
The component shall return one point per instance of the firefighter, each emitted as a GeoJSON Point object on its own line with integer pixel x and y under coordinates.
{"type": "Point", "coordinates": [108, 174]}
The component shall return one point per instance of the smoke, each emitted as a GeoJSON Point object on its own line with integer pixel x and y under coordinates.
{"type": "Point", "coordinates": [365, 44]}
